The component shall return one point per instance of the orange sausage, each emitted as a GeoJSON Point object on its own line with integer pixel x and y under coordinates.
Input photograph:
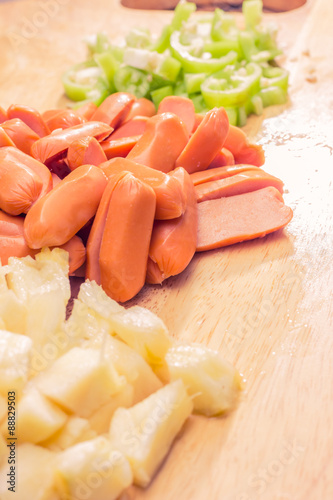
{"type": "Point", "coordinates": [95, 237]}
{"type": "Point", "coordinates": [213, 174]}
{"type": "Point", "coordinates": [119, 147]}
{"type": "Point", "coordinates": [136, 126]}
{"type": "Point", "coordinates": [87, 110]}
{"type": "Point", "coordinates": [65, 118]}
{"type": "Point", "coordinates": [5, 140]}
{"type": "Point", "coordinates": [12, 241]}
{"type": "Point", "coordinates": [114, 109]}
{"type": "Point", "coordinates": [126, 235]}
{"type": "Point", "coordinates": [30, 117]}
{"type": "Point", "coordinates": [86, 151]}
{"type": "Point", "coordinates": [22, 136]}
{"type": "Point", "coordinates": [162, 142]}
{"type": "Point", "coordinates": [205, 142]}
{"type": "Point", "coordinates": [197, 120]}
{"type": "Point", "coordinates": [244, 182]}
{"type": "Point", "coordinates": [173, 242]}
{"type": "Point", "coordinates": [226, 221]}
{"type": "Point", "coordinates": [3, 115]}
{"type": "Point", "coordinates": [22, 181]}
{"type": "Point", "coordinates": [141, 107]}
{"type": "Point", "coordinates": [48, 148]}
{"type": "Point", "coordinates": [180, 106]}
{"type": "Point", "coordinates": [170, 199]}
{"type": "Point", "coordinates": [243, 151]}
{"type": "Point", "coordinates": [76, 253]}
{"type": "Point", "coordinates": [46, 115]}
{"type": "Point", "coordinates": [222, 159]}
{"type": "Point", "coordinates": [36, 166]}
{"type": "Point", "coordinates": [56, 217]}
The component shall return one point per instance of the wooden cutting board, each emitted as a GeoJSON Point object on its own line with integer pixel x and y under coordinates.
{"type": "Point", "coordinates": [265, 304]}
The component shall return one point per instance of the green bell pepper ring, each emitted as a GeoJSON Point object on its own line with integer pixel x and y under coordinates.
{"type": "Point", "coordinates": [231, 87]}
{"type": "Point", "coordinates": [192, 64]}
{"type": "Point", "coordinates": [85, 81]}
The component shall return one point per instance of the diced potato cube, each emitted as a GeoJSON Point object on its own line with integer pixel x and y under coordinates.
{"type": "Point", "coordinates": [93, 470]}
{"type": "Point", "coordinates": [145, 432]}
{"type": "Point", "coordinates": [37, 417]}
{"type": "Point", "coordinates": [34, 475]}
{"type": "Point", "coordinates": [213, 382]}
{"type": "Point", "coordinates": [15, 352]}
{"type": "Point", "coordinates": [144, 332]}
{"type": "Point", "coordinates": [80, 381]}
{"type": "Point", "coordinates": [74, 431]}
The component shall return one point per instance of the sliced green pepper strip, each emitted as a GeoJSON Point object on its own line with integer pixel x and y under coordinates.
{"type": "Point", "coordinates": [169, 68]}
{"type": "Point", "coordinates": [273, 95]}
{"type": "Point", "coordinates": [182, 13]}
{"type": "Point", "coordinates": [242, 116]}
{"type": "Point", "coordinates": [274, 76]}
{"type": "Point", "coordinates": [247, 44]}
{"type": "Point", "coordinates": [159, 94]}
{"type": "Point", "coordinates": [162, 43]}
{"type": "Point", "coordinates": [193, 82]}
{"type": "Point", "coordinates": [219, 49]}
{"type": "Point", "coordinates": [140, 38]}
{"type": "Point", "coordinates": [132, 80]}
{"type": "Point", "coordinates": [193, 64]}
{"type": "Point", "coordinates": [232, 115]}
{"type": "Point", "coordinates": [199, 103]}
{"type": "Point", "coordinates": [252, 11]}
{"type": "Point", "coordinates": [229, 87]}
{"type": "Point", "coordinates": [223, 26]}
{"type": "Point", "coordinates": [117, 52]}
{"type": "Point", "coordinates": [107, 62]}
{"type": "Point", "coordinates": [99, 43]}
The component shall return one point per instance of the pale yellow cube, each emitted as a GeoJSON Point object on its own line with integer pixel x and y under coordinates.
{"type": "Point", "coordinates": [75, 430]}
{"type": "Point", "coordinates": [213, 382]}
{"type": "Point", "coordinates": [37, 417]}
{"type": "Point", "coordinates": [144, 332]}
{"type": "Point", "coordinates": [15, 350]}
{"type": "Point", "coordinates": [94, 297]}
{"type": "Point", "coordinates": [84, 323]}
{"type": "Point", "coordinates": [93, 470]}
{"type": "Point", "coordinates": [100, 420]}
{"type": "Point", "coordinates": [13, 312]}
{"type": "Point", "coordinates": [128, 363]}
{"type": "Point", "coordinates": [80, 381]}
{"type": "Point", "coordinates": [145, 432]}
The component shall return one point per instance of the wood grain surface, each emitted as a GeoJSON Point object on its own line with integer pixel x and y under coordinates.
{"type": "Point", "coordinates": [265, 304]}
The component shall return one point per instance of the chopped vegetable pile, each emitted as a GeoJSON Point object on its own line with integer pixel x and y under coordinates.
{"type": "Point", "coordinates": [210, 60]}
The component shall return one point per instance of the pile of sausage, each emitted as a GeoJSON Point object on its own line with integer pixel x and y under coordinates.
{"type": "Point", "coordinates": [131, 193]}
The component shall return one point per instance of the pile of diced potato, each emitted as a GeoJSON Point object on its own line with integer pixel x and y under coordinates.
{"type": "Point", "coordinates": [100, 396]}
